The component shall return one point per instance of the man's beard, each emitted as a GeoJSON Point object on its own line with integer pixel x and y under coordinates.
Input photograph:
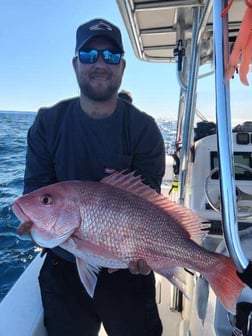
{"type": "Point", "coordinates": [99, 93]}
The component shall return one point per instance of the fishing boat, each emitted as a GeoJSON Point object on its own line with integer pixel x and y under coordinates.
{"type": "Point", "coordinates": [211, 166]}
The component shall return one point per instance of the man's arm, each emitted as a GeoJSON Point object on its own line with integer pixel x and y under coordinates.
{"type": "Point", "coordinates": [39, 168]}
{"type": "Point", "coordinates": [149, 155]}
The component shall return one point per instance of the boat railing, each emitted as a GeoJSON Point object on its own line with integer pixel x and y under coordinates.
{"type": "Point", "coordinates": [224, 134]}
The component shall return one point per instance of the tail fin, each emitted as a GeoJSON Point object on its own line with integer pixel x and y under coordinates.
{"type": "Point", "coordinates": [225, 283]}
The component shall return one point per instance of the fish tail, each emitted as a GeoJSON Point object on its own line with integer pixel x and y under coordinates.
{"type": "Point", "coordinates": [225, 282]}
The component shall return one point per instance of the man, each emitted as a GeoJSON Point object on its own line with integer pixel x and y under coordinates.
{"type": "Point", "coordinates": [87, 138]}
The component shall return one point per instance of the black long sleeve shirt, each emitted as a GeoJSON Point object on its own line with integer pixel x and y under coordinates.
{"type": "Point", "coordinates": [64, 143]}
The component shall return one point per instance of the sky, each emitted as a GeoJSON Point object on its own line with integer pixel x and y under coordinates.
{"type": "Point", "coordinates": [37, 40]}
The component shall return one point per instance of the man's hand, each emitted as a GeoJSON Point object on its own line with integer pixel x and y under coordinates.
{"type": "Point", "coordinates": [139, 267]}
{"type": "Point", "coordinates": [135, 267]}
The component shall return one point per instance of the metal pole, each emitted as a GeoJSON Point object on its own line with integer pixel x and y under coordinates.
{"type": "Point", "coordinates": [200, 18]}
{"type": "Point", "coordinates": [224, 132]}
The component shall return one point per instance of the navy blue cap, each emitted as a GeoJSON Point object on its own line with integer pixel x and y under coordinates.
{"type": "Point", "coordinates": [98, 27]}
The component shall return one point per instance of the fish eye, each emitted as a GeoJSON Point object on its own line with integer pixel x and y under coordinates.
{"type": "Point", "coordinates": [46, 199]}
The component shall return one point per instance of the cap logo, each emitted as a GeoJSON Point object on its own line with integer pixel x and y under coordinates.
{"type": "Point", "coordinates": [101, 26]}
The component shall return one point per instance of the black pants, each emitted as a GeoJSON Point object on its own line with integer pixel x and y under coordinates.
{"type": "Point", "coordinates": [124, 302]}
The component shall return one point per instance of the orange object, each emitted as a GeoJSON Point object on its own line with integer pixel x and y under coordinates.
{"type": "Point", "coordinates": [242, 49]}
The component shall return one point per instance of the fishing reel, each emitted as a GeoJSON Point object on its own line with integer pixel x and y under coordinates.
{"type": "Point", "coordinates": [213, 196]}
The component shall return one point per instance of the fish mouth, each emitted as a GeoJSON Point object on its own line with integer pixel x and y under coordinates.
{"type": "Point", "coordinates": [26, 222]}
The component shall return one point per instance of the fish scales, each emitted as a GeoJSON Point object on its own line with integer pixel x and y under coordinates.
{"type": "Point", "coordinates": [131, 213]}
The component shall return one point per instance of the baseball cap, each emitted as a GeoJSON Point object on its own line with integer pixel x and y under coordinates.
{"type": "Point", "coordinates": [98, 27]}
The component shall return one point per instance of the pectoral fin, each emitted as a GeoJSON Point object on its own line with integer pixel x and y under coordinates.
{"type": "Point", "coordinates": [88, 275]}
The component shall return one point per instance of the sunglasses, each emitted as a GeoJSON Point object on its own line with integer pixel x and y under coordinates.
{"type": "Point", "coordinates": [91, 56]}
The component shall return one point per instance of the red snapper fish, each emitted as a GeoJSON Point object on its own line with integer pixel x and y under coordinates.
{"type": "Point", "coordinates": [119, 220]}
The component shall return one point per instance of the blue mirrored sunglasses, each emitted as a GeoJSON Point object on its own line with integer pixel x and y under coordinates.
{"type": "Point", "coordinates": [91, 56]}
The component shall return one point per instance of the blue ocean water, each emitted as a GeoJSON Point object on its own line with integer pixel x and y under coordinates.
{"type": "Point", "coordinates": [15, 254]}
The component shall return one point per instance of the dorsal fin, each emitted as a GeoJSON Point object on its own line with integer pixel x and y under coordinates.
{"type": "Point", "coordinates": [189, 220]}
